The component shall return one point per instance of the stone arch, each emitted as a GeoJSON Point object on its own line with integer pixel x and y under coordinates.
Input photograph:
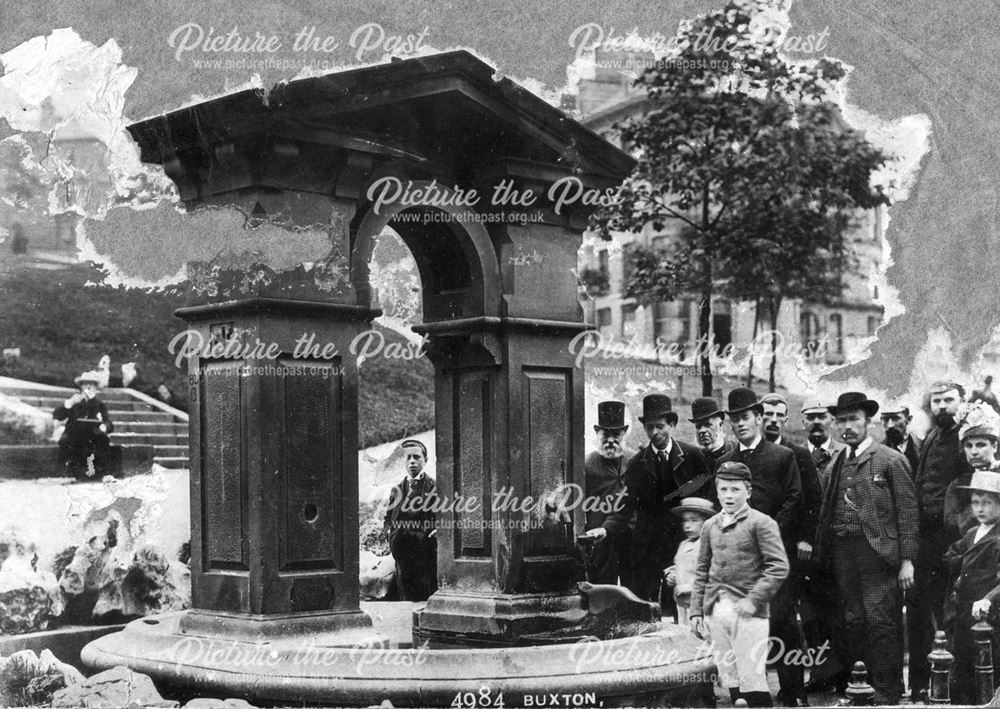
{"type": "Point", "coordinates": [458, 266]}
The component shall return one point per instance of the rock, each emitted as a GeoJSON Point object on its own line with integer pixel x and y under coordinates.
{"type": "Point", "coordinates": [377, 577]}
{"type": "Point", "coordinates": [29, 598]}
{"type": "Point", "coordinates": [206, 703]}
{"type": "Point", "coordinates": [111, 689]}
{"type": "Point", "coordinates": [107, 579]}
{"type": "Point", "coordinates": [29, 679]}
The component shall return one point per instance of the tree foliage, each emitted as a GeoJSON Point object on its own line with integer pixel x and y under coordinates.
{"type": "Point", "coordinates": [749, 152]}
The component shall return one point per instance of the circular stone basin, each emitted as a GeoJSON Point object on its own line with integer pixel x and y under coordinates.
{"type": "Point", "coordinates": [362, 667]}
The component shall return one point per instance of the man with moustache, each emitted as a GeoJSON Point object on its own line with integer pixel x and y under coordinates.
{"type": "Point", "coordinates": [708, 420]}
{"type": "Point", "coordinates": [777, 492]}
{"type": "Point", "coordinates": [656, 479]}
{"type": "Point", "coordinates": [784, 622]}
{"type": "Point", "coordinates": [895, 420]}
{"type": "Point", "coordinates": [822, 446]}
{"type": "Point", "coordinates": [980, 453]}
{"type": "Point", "coordinates": [604, 471]}
{"type": "Point", "coordinates": [940, 462]}
{"type": "Point", "coordinates": [868, 531]}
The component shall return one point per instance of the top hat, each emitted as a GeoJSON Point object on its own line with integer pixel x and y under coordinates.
{"type": "Point", "coordinates": [704, 408]}
{"type": "Point", "coordinates": [743, 398]}
{"type": "Point", "coordinates": [695, 504]}
{"type": "Point", "coordinates": [854, 400]}
{"type": "Point", "coordinates": [611, 416]}
{"type": "Point", "coordinates": [814, 406]}
{"type": "Point", "coordinates": [983, 481]}
{"type": "Point", "coordinates": [88, 378]}
{"type": "Point", "coordinates": [731, 470]}
{"type": "Point", "coordinates": [654, 405]}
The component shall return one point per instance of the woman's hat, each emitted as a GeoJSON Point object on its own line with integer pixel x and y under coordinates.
{"type": "Point", "coordinates": [655, 405]}
{"type": "Point", "coordinates": [695, 504]}
{"type": "Point", "coordinates": [983, 481]}
{"type": "Point", "coordinates": [88, 378]}
{"type": "Point", "coordinates": [850, 400]}
{"type": "Point", "coordinates": [978, 419]}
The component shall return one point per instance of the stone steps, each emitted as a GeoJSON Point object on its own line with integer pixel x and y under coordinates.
{"type": "Point", "coordinates": [137, 421]}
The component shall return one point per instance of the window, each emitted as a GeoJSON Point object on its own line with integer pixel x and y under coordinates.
{"type": "Point", "coordinates": [602, 262]}
{"type": "Point", "coordinates": [809, 330]}
{"type": "Point", "coordinates": [627, 251]}
{"type": "Point", "coordinates": [628, 321]}
{"type": "Point", "coordinates": [872, 324]}
{"type": "Point", "coordinates": [837, 333]}
{"type": "Point", "coordinates": [672, 324]}
{"type": "Point", "coordinates": [604, 321]}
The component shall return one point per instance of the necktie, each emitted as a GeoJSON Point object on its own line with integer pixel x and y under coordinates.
{"type": "Point", "coordinates": [820, 457]}
{"type": "Point", "coordinates": [852, 455]}
{"type": "Point", "coordinates": [745, 455]}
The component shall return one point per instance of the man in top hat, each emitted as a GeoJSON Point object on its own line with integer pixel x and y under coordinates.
{"type": "Point", "coordinates": [85, 445]}
{"type": "Point", "coordinates": [604, 471]}
{"type": "Point", "coordinates": [656, 479]}
{"type": "Point", "coordinates": [708, 419]}
{"type": "Point", "coordinates": [410, 520]}
{"type": "Point", "coordinates": [941, 461]}
{"type": "Point", "coordinates": [821, 444]}
{"type": "Point", "coordinates": [777, 492]}
{"type": "Point", "coordinates": [895, 422]}
{"type": "Point", "coordinates": [868, 530]}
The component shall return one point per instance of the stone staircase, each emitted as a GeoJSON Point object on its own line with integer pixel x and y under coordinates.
{"type": "Point", "coordinates": [138, 419]}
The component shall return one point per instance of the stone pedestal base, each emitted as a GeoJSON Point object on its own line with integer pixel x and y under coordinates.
{"type": "Point", "coordinates": [250, 628]}
{"type": "Point", "coordinates": [669, 667]}
{"type": "Point", "coordinates": [453, 619]}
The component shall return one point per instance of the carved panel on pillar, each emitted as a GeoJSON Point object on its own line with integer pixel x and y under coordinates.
{"type": "Point", "coordinates": [547, 394]}
{"type": "Point", "coordinates": [312, 506]}
{"type": "Point", "coordinates": [224, 544]}
{"type": "Point", "coordinates": [473, 466]}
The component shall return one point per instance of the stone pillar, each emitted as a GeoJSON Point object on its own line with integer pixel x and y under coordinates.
{"type": "Point", "coordinates": [274, 479]}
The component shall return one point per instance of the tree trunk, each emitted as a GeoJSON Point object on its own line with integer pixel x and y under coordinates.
{"type": "Point", "coordinates": [775, 306]}
{"type": "Point", "coordinates": [704, 333]}
{"type": "Point", "coordinates": [753, 340]}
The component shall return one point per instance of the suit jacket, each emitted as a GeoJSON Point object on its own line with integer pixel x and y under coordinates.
{"type": "Point", "coordinates": [887, 501]}
{"type": "Point", "coordinates": [421, 515]}
{"type": "Point", "coordinates": [83, 419]}
{"type": "Point", "coordinates": [932, 484]}
{"type": "Point", "coordinates": [777, 485]}
{"type": "Point", "coordinates": [604, 479]}
{"type": "Point", "coordinates": [911, 449]}
{"type": "Point", "coordinates": [657, 531]}
{"type": "Point", "coordinates": [812, 492]}
{"type": "Point", "coordinates": [823, 467]}
{"type": "Point", "coordinates": [974, 572]}
{"type": "Point", "coordinates": [715, 458]}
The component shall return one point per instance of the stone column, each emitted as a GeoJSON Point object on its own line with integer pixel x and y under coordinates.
{"type": "Point", "coordinates": [274, 478]}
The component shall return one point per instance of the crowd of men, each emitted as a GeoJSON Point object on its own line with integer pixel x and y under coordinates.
{"type": "Point", "coordinates": [865, 525]}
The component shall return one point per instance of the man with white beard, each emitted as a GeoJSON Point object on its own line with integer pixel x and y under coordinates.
{"type": "Point", "coordinates": [604, 468]}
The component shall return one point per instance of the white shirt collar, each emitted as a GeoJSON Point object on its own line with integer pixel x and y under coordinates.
{"type": "Point", "coordinates": [982, 531]}
{"type": "Point", "coordinates": [669, 447]}
{"type": "Point", "coordinates": [825, 445]}
{"type": "Point", "coordinates": [754, 444]}
{"type": "Point", "coordinates": [728, 518]}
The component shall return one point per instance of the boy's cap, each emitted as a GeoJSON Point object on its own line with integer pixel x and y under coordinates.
{"type": "Point", "coordinates": [695, 504]}
{"type": "Point", "coordinates": [731, 470]}
{"type": "Point", "coordinates": [983, 481]}
{"type": "Point", "coordinates": [414, 443]}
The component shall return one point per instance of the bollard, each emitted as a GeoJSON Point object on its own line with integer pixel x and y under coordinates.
{"type": "Point", "coordinates": [741, 703]}
{"type": "Point", "coordinates": [941, 661]}
{"type": "Point", "coordinates": [859, 693]}
{"type": "Point", "coordinates": [982, 632]}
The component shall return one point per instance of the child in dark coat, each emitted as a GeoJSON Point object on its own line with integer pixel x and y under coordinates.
{"type": "Point", "coordinates": [975, 561]}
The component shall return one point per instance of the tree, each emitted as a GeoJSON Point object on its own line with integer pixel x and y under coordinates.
{"type": "Point", "coordinates": [735, 138]}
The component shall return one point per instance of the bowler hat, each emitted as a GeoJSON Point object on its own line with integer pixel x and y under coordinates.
{"type": "Point", "coordinates": [850, 400]}
{"type": "Point", "coordinates": [731, 470]}
{"type": "Point", "coordinates": [743, 398]}
{"type": "Point", "coordinates": [654, 405]}
{"type": "Point", "coordinates": [704, 408]}
{"type": "Point", "coordinates": [695, 504]}
{"type": "Point", "coordinates": [610, 416]}
{"type": "Point", "coordinates": [983, 481]}
{"type": "Point", "coordinates": [88, 378]}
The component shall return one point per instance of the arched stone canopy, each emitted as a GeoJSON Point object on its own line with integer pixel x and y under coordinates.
{"type": "Point", "coordinates": [500, 308]}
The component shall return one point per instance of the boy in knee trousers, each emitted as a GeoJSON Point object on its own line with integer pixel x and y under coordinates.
{"type": "Point", "coordinates": [741, 565]}
{"type": "Point", "coordinates": [693, 512]}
